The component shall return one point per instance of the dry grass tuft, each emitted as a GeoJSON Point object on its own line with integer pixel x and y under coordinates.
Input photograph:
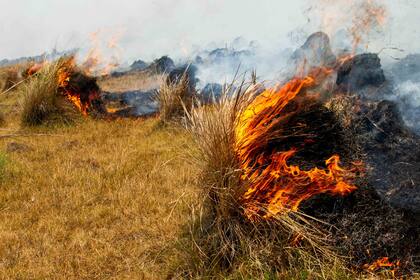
{"type": "Point", "coordinates": [224, 242]}
{"type": "Point", "coordinates": [41, 102]}
{"type": "Point", "coordinates": [9, 76]}
{"type": "Point", "coordinates": [173, 97]}
{"type": "Point", "coordinates": [2, 119]}
{"type": "Point", "coordinates": [3, 162]}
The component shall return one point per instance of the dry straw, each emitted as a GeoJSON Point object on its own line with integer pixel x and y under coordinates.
{"type": "Point", "coordinates": [223, 239]}
{"type": "Point", "coordinates": [173, 96]}
{"type": "Point", "coordinates": [41, 101]}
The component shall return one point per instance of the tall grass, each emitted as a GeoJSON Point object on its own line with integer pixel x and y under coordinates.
{"type": "Point", "coordinates": [9, 76]}
{"type": "Point", "coordinates": [41, 101]}
{"type": "Point", "coordinates": [224, 242]}
{"type": "Point", "coordinates": [3, 162]}
{"type": "Point", "coordinates": [173, 96]}
{"type": "Point", "coordinates": [2, 119]}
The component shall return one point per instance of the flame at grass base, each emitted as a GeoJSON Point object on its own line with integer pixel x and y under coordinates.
{"type": "Point", "coordinates": [70, 92]}
{"type": "Point", "coordinates": [383, 264]}
{"type": "Point", "coordinates": [274, 185]}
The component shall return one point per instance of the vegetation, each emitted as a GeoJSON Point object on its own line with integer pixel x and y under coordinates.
{"type": "Point", "coordinates": [9, 76]}
{"type": "Point", "coordinates": [3, 161]}
{"type": "Point", "coordinates": [131, 199]}
{"type": "Point", "coordinates": [41, 102]}
{"type": "Point", "coordinates": [173, 97]}
{"type": "Point", "coordinates": [225, 243]}
{"type": "Point", "coordinates": [141, 80]}
{"type": "Point", "coordinates": [96, 200]}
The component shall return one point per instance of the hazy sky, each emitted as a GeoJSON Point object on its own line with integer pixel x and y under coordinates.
{"type": "Point", "coordinates": [149, 28]}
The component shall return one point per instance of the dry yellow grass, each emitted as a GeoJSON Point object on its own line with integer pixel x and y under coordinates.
{"type": "Point", "coordinates": [99, 200]}
{"type": "Point", "coordinates": [133, 81]}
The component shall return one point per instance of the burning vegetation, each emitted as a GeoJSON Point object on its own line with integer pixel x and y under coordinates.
{"type": "Point", "coordinates": [58, 90]}
{"type": "Point", "coordinates": [293, 177]}
{"type": "Point", "coordinates": [270, 132]}
{"type": "Point", "coordinates": [277, 162]}
{"type": "Point", "coordinates": [78, 87]}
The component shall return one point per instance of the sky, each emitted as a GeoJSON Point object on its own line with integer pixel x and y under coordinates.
{"type": "Point", "coordinates": [148, 29]}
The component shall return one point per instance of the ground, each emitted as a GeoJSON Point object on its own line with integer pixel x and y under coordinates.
{"type": "Point", "coordinates": [94, 200]}
{"type": "Point", "coordinates": [97, 199]}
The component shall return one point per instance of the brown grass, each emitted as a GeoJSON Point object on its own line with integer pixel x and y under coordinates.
{"type": "Point", "coordinates": [98, 200]}
{"type": "Point", "coordinates": [9, 76]}
{"type": "Point", "coordinates": [134, 81]}
{"type": "Point", "coordinates": [120, 200]}
{"type": "Point", "coordinates": [40, 100]}
{"type": "Point", "coordinates": [224, 240]}
{"type": "Point", "coordinates": [174, 97]}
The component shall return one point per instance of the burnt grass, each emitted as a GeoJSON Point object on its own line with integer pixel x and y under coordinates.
{"type": "Point", "coordinates": [364, 226]}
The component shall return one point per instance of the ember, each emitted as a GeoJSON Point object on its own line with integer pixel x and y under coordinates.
{"type": "Point", "coordinates": [383, 263]}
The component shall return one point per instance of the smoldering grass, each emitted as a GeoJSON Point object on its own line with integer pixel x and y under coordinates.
{"type": "Point", "coordinates": [223, 241]}
{"type": "Point", "coordinates": [41, 101]}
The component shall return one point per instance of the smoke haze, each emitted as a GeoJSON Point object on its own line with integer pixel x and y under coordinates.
{"type": "Point", "coordinates": [147, 29]}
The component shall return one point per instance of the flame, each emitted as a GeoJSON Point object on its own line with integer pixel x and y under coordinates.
{"type": "Point", "coordinates": [370, 15]}
{"type": "Point", "coordinates": [274, 184]}
{"type": "Point", "coordinates": [383, 263]}
{"type": "Point", "coordinates": [361, 19]}
{"type": "Point", "coordinates": [64, 77]}
{"type": "Point", "coordinates": [102, 57]}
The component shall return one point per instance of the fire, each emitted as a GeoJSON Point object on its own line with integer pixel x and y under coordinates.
{"type": "Point", "coordinates": [101, 58]}
{"type": "Point", "coordinates": [383, 263]}
{"type": "Point", "coordinates": [34, 68]}
{"type": "Point", "coordinates": [370, 15]}
{"type": "Point", "coordinates": [362, 19]}
{"type": "Point", "coordinates": [71, 93]}
{"type": "Point", "coordinates": [275, 184]}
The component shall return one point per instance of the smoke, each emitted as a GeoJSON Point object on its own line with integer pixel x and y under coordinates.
{"type": "Point", "coordinates": [405, 77]}
{"type": "Point", "coordinates": [267, 32]}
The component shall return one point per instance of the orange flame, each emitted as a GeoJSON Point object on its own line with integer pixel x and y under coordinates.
{"type": "Point", "coordinates": [370, 15]}
{"type": "Point", "coordinates": [274, 184]}
{"type": "Point", "coordinates": [35, 68]}
{"type": "Point", "coordinates": [64, 76]}
{"type": "Point", "coordinates": [98, 61]}
{"type": "Point", "coordinates": [383, 263]}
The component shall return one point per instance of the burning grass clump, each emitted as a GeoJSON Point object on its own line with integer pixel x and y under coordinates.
{"type": "Point", "coordinates": [59, 92]}
{"type": "Point", "coordinates": [173, 96]}
{"type": "Point", "coordinates": [41, 101]}
{"type": "Point", "coordinates": [225, 240]}
{"type": "Point", "coordinates": [285, 188]}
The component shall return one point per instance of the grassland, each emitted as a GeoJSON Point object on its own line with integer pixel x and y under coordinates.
{"type": "Point", "coordinates": [102, 199]}
{"type": "Point", "coordinates": [95, 200]}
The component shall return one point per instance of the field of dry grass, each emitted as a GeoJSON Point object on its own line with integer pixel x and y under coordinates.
{"type": "Point", "coordinates": [102, 199]}
{"type": "Point", "coordinates": [94, 201]}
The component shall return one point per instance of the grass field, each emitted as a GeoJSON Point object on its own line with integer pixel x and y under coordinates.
{"type": "Point", "coordinates": [102, 199]}
{"type": "Point", "coordinates": [94, 200]}
{"type": "Point", "coordinates": [97, 200]}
